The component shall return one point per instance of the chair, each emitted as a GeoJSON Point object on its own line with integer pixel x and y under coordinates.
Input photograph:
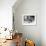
{"type": "Point", "coordinates": [29, 43]}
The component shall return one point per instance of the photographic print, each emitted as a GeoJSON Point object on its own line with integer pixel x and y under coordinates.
{"type": "Point", "coordinates": [29, 20]}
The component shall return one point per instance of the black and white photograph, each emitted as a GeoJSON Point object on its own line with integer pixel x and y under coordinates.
{"type": "Point", "coordinates": [29, 20]}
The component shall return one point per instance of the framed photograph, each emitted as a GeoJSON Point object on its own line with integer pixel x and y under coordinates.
{"type": "Point", "coordinates": [29, 19]}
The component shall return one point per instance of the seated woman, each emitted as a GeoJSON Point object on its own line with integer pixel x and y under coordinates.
{"type": "Point", "coordinates": [18, 39]}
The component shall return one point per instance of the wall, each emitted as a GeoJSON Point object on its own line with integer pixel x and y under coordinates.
{"type": "Point", "coordinates": [29, 32]}
{"type": "Point", "coordinates": [43, 22]}
{"type": "Point", "coordinates": [6, 13]}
